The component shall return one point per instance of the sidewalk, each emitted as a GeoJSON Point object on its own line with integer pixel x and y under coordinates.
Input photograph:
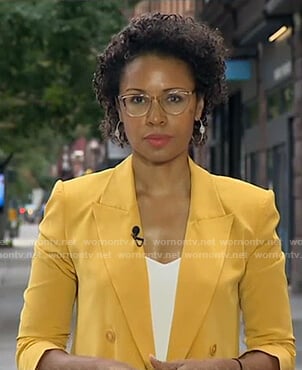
{"type": "Point", "coordinates": [296, 306]}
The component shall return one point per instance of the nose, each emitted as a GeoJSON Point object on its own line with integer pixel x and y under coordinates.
{"type": "Point", "coordinates": [156, 115]}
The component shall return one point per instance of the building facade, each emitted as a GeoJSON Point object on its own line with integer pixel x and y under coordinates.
{"type": "Point", "coordinates": [183, 7]}
{"type": "Point", "coordinates": [257, 134]}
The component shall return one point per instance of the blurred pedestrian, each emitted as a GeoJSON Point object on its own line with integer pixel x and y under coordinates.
{"type": "Point", "coordinates": [159, 255]}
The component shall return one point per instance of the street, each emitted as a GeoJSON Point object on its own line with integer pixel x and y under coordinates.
{"type": "Point", "coordinates": [14, 271]}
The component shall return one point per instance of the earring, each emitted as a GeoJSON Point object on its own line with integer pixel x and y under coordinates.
{"type": "Point", "coordinates": [117, 133]}
{"type": "Point", "coordinates": [200, 131]}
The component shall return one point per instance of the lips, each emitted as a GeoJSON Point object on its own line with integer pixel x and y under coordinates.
{"type": "Point", "coordinates": [157, 140]}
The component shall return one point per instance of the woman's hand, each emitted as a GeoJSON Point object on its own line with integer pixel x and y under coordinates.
{"type": "Point", "coordinates": [217, 364]}
{"type": "Point", "coordinates": [57, 359]}
{"type": "Point", "coordinates": [113, 365]}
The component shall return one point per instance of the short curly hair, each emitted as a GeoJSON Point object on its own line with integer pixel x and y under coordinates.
{"type": "Point", "coordinates": [171, 35]}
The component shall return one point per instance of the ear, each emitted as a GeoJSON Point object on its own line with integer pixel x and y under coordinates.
{"type": "Point", "coordinates": [199, 108]}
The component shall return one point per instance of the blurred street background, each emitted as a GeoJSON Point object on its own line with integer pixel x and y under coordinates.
{"type": "Point", "coordinates": [49, 118]}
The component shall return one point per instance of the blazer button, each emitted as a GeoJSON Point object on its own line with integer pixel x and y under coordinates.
{"type": "Point", "coordinates": [110, 336]}
{"type": "Point", "coordinates": [213, 349]}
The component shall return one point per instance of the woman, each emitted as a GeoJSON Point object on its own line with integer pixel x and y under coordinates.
{"type": "Point", "coordinates": [159, 255]}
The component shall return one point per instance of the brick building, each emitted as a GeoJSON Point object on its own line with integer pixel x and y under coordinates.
{"type": "Point", "coordinates": [257, 134]}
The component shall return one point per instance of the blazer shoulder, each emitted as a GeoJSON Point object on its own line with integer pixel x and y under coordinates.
{"type": "Point", "coordinates": [238, 195]}
{"type": "Point", "coordinates": [225, 183]}
{"type": "Point", "coordinates": [88, 186]}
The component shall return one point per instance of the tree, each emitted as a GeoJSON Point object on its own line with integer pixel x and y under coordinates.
{"type": "Point", "coordinates": [47, 58]}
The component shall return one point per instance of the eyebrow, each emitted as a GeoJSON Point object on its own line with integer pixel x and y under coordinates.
{"type": "Point", "coordinates": [168, 89]}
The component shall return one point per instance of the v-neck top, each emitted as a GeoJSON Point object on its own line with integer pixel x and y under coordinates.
{"type": "Point", "coordinates": [162, 289]}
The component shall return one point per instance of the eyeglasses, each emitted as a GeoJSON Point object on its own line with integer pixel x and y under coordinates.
{"type": "Point", "coordinates": [172, 102]}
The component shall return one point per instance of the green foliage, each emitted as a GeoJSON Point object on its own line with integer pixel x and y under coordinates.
{"type": "Point", "coordinates": [47, 59]}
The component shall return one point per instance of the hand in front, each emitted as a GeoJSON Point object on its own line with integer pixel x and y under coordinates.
{"type": "Point", "coordinates": [216, 364]}
{"type": "Point", "coordinates": [113, 365]}
{"type": "Point", "coordinates": [55, 359]}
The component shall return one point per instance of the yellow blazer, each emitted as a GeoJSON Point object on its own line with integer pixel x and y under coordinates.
{"type": "Point", "coordinates": [231, 260]}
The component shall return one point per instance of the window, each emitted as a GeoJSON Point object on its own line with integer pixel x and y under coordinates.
{"type": "Point", "coordinates": [280, 101]}
{"type": "Point", "coordinates": [288, 97]}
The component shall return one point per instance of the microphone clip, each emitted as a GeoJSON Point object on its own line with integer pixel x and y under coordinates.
{"type": "Point", "coordinates": [138, 240]}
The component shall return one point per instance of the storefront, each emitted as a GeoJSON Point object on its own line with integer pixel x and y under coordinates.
{"type": "Point", "coordinates": [267, 139]}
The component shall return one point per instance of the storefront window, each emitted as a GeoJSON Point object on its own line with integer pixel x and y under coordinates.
{"type": "Point", "coordinates": [279, 101]}
{"type": "Point", "coordinates": [288, 97]}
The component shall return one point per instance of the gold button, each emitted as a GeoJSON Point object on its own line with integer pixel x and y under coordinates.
{"type": "Point", "coordinates": [213, 349]}
{"type": "Point", "coordinates": [110, 335]}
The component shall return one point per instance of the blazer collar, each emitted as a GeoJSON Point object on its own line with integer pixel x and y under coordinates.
{"type": "Point", "coordinates": [205, 201]}
{"type": "Point", "coordinates": [120, 190]}
{"type": "Point", "coordinates": [117, 213]}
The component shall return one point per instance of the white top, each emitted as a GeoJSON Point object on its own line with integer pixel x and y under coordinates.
{"type": "Point", "coordinates": [162, 285]}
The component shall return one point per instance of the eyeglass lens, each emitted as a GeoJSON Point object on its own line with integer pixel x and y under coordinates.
{"type": "Point", "coordinates": [174, 102]}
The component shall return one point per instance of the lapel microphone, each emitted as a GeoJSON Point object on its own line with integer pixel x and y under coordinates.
{"type": "Point", "coordinates": [138, 241]}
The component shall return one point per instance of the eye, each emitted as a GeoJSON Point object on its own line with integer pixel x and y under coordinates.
{"type": "Point", "coordinates": [174, 98]}
{"type": "Point", "coordinates": [137, 99]}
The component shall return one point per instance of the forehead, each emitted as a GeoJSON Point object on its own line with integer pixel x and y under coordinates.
{"type": "Point", "coordinates": [156, 73]}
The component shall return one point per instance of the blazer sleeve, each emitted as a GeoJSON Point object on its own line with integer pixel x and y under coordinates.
{"type": "Point", "coordinates": [49, 297]}
{"type": "Point", "coordinates": [264, 293]}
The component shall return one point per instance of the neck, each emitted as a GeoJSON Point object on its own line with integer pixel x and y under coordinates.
{"type": "Point", "coordinates": [153, 179]}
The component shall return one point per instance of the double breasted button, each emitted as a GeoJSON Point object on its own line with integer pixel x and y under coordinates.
{"type": "Point", "coordinates": [110, 335]}
{"type": "Point", "coordinates": [213, 349]}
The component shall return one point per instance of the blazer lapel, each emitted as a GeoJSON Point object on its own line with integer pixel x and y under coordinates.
{"type": "Point", "coordinates": [201, 263]}
{"type": "Point", "coordinates": [115, 216]}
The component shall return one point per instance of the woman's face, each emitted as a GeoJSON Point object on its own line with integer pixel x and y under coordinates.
{"type": "Point", "coordinates": [158, 106]}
